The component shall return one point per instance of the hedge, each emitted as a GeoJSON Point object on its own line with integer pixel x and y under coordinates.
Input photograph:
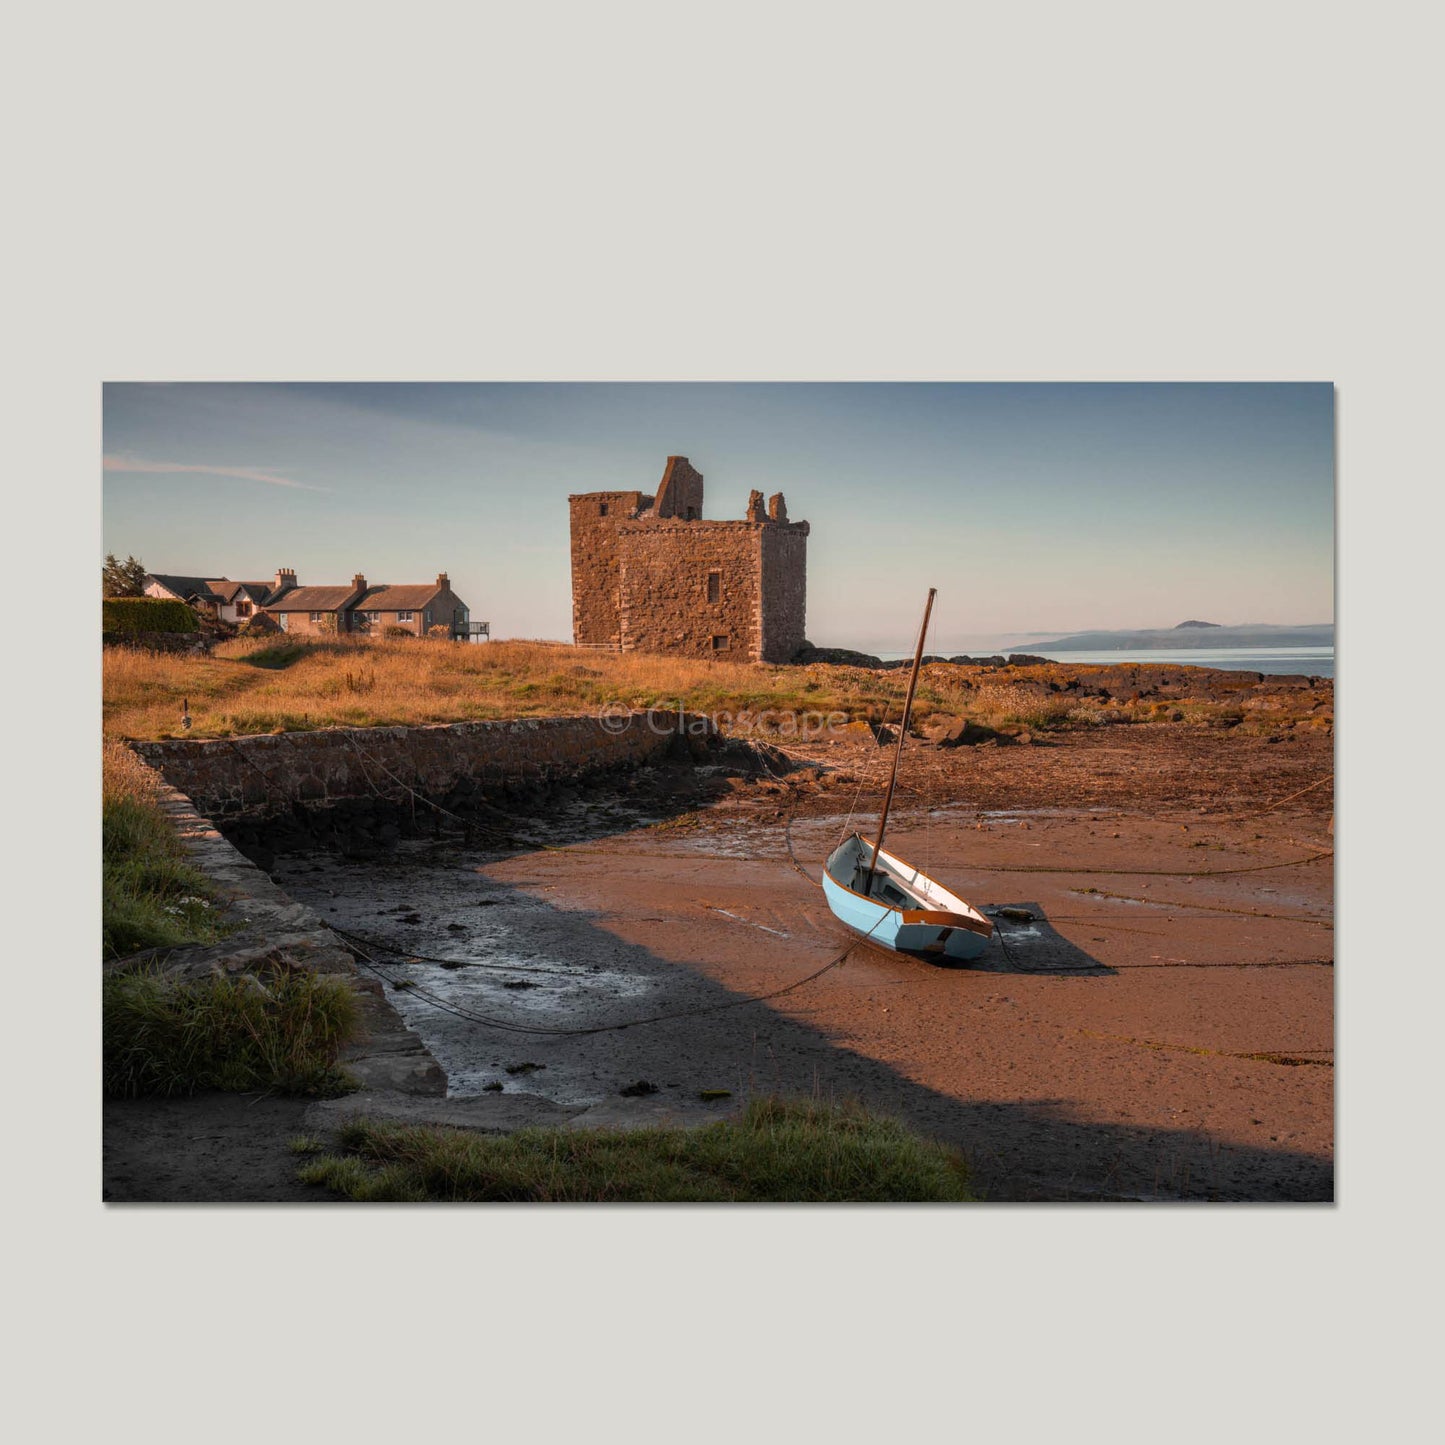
{"type": "Point", "coordinates": [147, 614]}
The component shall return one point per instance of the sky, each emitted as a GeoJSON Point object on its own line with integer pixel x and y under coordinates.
{"type": "Point", "coordinates": [1035, 509]}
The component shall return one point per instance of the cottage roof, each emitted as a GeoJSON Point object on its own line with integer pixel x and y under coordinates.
{"type": "Point", "coordinates": [314, 599]}
{"type": "Point", "coordinates": [409, 598]}
{"type": "Point", "coordinates": [183, 587]}
{"type": "Point", "coordinates": [228, 591]}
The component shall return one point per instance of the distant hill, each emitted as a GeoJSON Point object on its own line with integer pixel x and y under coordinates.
{"type": "Point", "coordinates": [1193, 634]}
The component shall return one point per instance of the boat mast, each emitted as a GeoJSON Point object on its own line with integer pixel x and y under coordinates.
{"type": "Point", "coordinates": [902, 733]}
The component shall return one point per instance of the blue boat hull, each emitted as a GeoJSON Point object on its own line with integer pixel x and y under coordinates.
{"type": "Point", "coordinates": [924, 918]}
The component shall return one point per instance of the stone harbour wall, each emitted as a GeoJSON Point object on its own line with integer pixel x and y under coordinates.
{"type": "Point", "coordinates": [267, 928]}
{"type": "Point", "coordinates": [258, 779]}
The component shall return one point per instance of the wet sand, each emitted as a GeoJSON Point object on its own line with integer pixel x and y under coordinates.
{"type": "Point", "coordinates": [1161, 1028]}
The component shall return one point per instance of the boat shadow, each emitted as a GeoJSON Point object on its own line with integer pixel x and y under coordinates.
{"type": "Point", "coordinates": [1024, 941]}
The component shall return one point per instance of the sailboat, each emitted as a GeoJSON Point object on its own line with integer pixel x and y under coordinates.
{"type": "Point", "coordinates": [889, 902]}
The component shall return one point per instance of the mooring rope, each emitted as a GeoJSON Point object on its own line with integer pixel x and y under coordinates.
{"type": "Point", "coordinates": [511, 1026]}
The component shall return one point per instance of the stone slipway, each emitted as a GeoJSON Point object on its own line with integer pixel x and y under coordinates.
{"type": "Point", "coordinates": [506, 1113]}
{"type": "Point", "coordinates": [274, 928]}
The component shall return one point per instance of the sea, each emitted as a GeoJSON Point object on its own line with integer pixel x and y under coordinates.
{"type": "Point", "coordinates": [1272, 661]}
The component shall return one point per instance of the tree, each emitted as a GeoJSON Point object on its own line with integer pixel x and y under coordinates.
{"type": "Point", "coordinates": [122, 579]}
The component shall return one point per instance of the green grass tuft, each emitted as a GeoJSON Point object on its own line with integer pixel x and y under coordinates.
{"type": "Point", "coordinates": [150, 897]}
{"type": "Point", "coordinates": [777, 1151]}
{"type": "Point", "coordinates": [282, 1030]}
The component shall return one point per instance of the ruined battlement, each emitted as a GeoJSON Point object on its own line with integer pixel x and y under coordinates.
{"type": "Point", "coordinates": [650, 574]}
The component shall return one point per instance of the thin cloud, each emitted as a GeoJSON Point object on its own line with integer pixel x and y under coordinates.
{"type": "Point", "coordinates": [245, 474]}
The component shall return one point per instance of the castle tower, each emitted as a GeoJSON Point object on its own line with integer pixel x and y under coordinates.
{"type": "Point", "coordinates": [649, 574]}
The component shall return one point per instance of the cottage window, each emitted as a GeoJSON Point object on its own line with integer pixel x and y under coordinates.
{"type": "Point", "coordinates": [243, 609]}
{"type": "Point", "coordinates": [427, 616]}
{"type": "Point", "coordinates": [403, 616]}
{"type": "Point", "coordinates": [714, 586]}
{"type": "Point", "coordinates": [720, 642]}
{"type": "Point", "coordinates": [373, 617]}
{"type": "Point", "coordinates": [316, 617]}
{"type": "Point", "coordinates": [282, 618]}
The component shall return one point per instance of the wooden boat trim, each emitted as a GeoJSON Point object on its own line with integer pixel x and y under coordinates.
{"type": "Point", "coordinates": [947, 920]}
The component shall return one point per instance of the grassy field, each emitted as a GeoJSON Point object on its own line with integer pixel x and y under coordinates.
{"type": "Point", "coordinates": [777, 1151]}
{"type": "Point", "coordinates": [269, 685]}
{"type": "Point", "coordinates": [150, 897]}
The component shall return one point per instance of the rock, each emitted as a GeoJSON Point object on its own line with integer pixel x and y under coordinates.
{"type": "Point", "coordinates": [484, 1112]}
{"type": "Point", "coordinates": [1018, 915]}
{"type": "Point", "coordinates": [807, 654]}
{"type": "Point", "coordinates": [525, 1068]}
{"type": "Point", "coordinates": [965, 734]}
{"type": "Point", "coordinates": [493, 1088]}
{"type": "Point", "coordinates": [932, 728]}
{"type": "Point", "coordinates": [638, 1090]}
{"type": "Point", "coordinates": [456, 928]}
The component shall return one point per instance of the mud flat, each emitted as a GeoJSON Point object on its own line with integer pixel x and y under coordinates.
{"type": "Point", "coordinates": [1154, 1019]}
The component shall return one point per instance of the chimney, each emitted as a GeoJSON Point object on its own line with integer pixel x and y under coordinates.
{"type": "Point", "coordinates": [359, 582]}
{"type": "Point", "coordinates": [285, 577]}
{"type": "Point", "coordinates": [443, 580]}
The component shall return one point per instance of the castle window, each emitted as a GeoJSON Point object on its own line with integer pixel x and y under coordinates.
{"type": "Point", "coordinates": [602, 510]}
{"type": "Point", "coordinates": [720, 642]}
{"type": "Point", "coordinates": [714, 586]}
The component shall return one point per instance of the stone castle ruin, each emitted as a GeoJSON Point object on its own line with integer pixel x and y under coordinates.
{"type": "Point", "coordinates": [649, 574]}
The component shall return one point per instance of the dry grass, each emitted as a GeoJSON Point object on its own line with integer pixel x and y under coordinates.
{"type": "Point", "coordinates": [262, 685]}
{"type": "Point", "coordinates": [999, 704]}
{"type": "Point", "coordinates": [257, 686]}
